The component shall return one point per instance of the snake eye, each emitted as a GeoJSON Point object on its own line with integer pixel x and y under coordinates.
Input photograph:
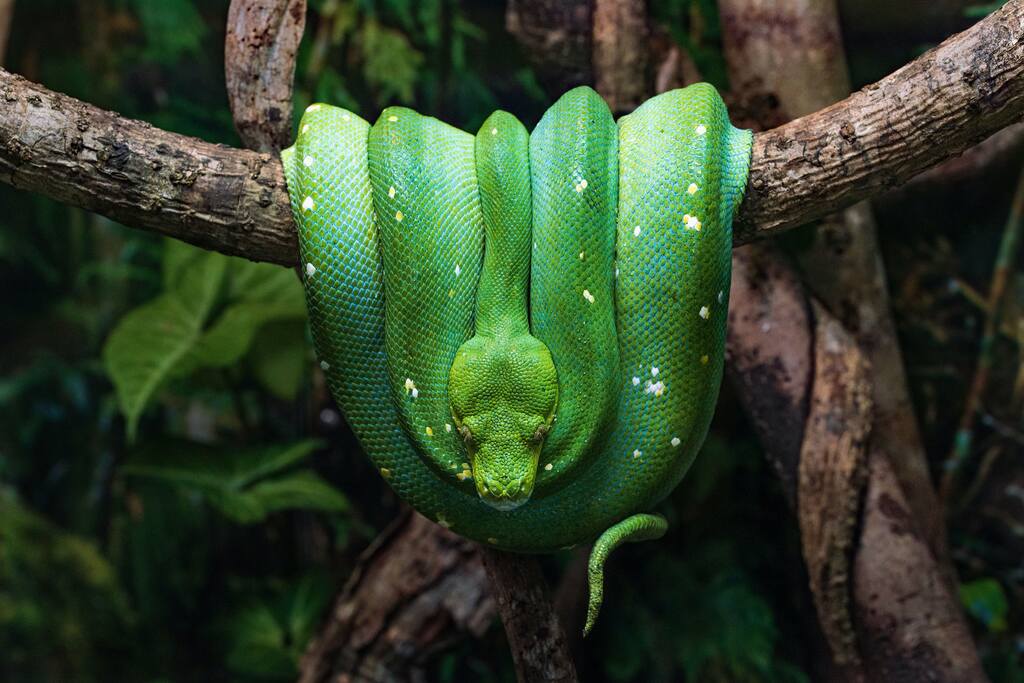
{"type": "Point", "coordinates": [467, 436]}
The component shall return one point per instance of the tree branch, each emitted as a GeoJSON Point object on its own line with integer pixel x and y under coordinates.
{"type": "Point", "coordinates": [214, 196]}
{"type": "Point", "coordinates": [260, 47]}
{"type": "Point", "coordinates": [6, 13]}
{"type": "Point", "coordinates": [416, 590]}
{"type": "Point", "coordinates": [535, 636]}
{"type": "Point", "coordinates": [952, 97]}
{"type": "Point", "coordinates": [235, 202]}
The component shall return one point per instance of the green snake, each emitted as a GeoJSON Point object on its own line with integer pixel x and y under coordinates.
{"type": "Point", "coordinates": [525, 331]}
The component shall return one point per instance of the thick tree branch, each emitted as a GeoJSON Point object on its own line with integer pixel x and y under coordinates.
{"type": "Point", "coordinates": [947, 100]}
{"type": "Point", "coordinates": [235, 202]}
{"type": "Point", "coordinates": [214, 196]}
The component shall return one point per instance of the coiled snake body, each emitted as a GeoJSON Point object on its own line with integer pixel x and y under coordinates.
{"type": "Point", "coordinates": [525, 331]}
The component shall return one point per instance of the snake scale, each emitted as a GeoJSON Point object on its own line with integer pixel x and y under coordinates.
{"type": "Point", "coordinates": [525, 331]}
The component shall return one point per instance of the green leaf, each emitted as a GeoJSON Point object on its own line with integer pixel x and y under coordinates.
{"type": "Point", "coordinates": [152, 343]}
{"type": "Point", "coordinates": [257, 293]}
{"type": "Point", "coordinates": [202, 466]}
{"type": "Point", "coordinates": [246, 485]}
{"type": "Point", "coordinates": [259, 646]}
{"type": "Point", "coordinates": [212, 309]}
{"type": "Point", "coordinates": [278, 357]}
{"type": "Point", "coordinates": [268, 633]}
{"type": "Point", "coordinates": [391, 64]}
{"type": "Point", "coordinates": [985, 600]}
{"type": "Point", "coordinates": [303, 489]}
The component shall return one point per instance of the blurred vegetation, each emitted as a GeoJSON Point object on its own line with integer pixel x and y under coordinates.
{"type": "Point", "coordinates": [179, 498]}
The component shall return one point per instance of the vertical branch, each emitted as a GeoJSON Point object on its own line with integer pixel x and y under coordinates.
{"type": "Point", "coordinates": [793, 52]}
{"type": "Point", "coordinates": [259, 65]}
{"type": "Point", "coordinates": [866, 564]}
{"type": "Point", "coordinates": [621, 53]}
{"type": "Point", "coordinates": [1008, 247]}
{"type": "Point", "coordinates": [535, 635]}
{"type": "Point", "coordinates": [6, 15]}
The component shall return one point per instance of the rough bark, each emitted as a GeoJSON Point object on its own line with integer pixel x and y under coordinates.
{"type": "Point", "coordinates": [792, 51]}
{"type": "Point", "coordinates": [259, 64]}
{"type": "Point", "coordinates": [906, 619]}
{"type": "Point", "coordinates": [414, 592]}
{"type": "Point", "coordinates": [538, 643]}
{"type": "Point", "coordinates": [620, 53]}
{"type": "Point", "coordinates": [556, 38]}
{"type": "Point", "coordinates": [235, 201]}
{"type": "Point", "coordinates": [832, 474]}
{"type": "Point", "coordinates": [216, 197]}
{"type": "Point", "coordinates": [769, 354]}
{"type": "Point", "coordinates": [950, 98]}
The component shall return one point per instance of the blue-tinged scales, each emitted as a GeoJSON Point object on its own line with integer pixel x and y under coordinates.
{"type": "Point", "coordinates": [526, 331]}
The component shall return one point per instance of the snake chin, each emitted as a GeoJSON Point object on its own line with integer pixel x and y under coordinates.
{"type": "Point", "coordinates": [506, 498]}
{"type": "Point", "coordinates": [504, 470]}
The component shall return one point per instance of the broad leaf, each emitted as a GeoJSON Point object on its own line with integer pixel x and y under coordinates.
{"type": "Point", "coordinates": [279, 357]}
{"type": "Point", "coordinates": [268, 633]}
{"type": "Point", "coordinates": [212, 309]}
{"type": "Point", "coordinates": [153, 342]}
{"type": "Point", "coordinates": [246, 485]}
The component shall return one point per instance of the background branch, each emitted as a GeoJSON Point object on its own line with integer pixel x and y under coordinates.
{"type": "Point", "coordinates": [860, 427]}
{"type": "Point", "coordinates": [415, 591]}
{"type": "Point", "coordinates": [6, 13]}
{"type": "Point", "coordinates": [259, 58]}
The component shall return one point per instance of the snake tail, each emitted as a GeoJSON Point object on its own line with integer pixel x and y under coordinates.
{"type": "Point", "coordinates": [642, 527]}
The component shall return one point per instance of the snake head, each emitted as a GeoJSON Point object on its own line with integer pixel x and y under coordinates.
{"type": "Point", "coordinates": [503, 395]}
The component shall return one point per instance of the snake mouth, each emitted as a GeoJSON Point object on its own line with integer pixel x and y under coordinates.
{"type": "Point", "coordinates": [504, 497]}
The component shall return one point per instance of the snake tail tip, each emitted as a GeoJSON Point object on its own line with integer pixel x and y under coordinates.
{"type": "Point", "coordinates": [594, 603]}
{"type": "Point", "coordinates": [640, 527]}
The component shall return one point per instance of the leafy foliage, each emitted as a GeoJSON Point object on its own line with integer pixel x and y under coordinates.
{"type": "Point", "coordinates": [267, 632]}
{"type": "Point", "coordinates": [211, 309]}
{"type": "Point", "coordinates": [246, 485]}
{"type": "Point", "coordinates": [63, 613]}
{"type": "Point", "coordinates": [985, 600]}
